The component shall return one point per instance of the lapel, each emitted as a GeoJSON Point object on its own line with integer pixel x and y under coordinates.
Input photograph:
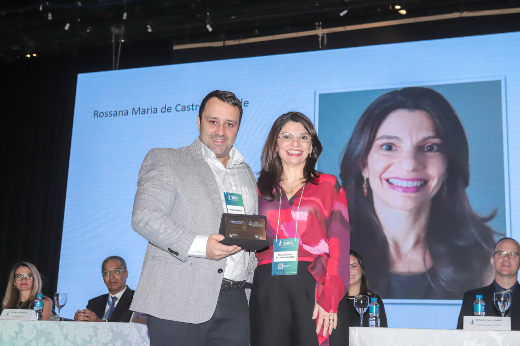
{"type": "Point", "coordinates": [100, 305]}
{"type": "Point", "coordinates": [122, 306]}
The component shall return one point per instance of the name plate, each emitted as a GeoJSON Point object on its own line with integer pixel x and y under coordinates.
{"type": "Point", "coordinates": [246, 231]}
{"type": "Point", "coordinates": [18, 314]}
{"type": "Point", "coordinates": [486, 323]}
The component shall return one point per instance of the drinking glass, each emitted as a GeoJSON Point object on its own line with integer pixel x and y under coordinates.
{"type": "Point", "coordinates": [60, 299]}
{"type": "Point", "coordinates": [502, 301]}
{"type": "Point", "coordinates": [361, 305]}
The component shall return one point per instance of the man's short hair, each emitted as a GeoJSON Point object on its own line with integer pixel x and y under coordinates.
{"type": "Point", "coordinates": [224, 96]}
{"type": "Point", "coordinates": [505, 238]}
{"type": "Point", "coordinates": [117, 258]}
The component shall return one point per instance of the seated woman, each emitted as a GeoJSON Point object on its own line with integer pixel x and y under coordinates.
{"type": "Point", "coordinates": [25, 283]}
{"type": "Point", "coordinates": [358, 285]}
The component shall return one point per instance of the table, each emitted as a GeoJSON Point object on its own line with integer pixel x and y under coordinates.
{"type": "Point", "coordinates": [47, 333]}
{"type": "Point", "coordinates": [425, 337]}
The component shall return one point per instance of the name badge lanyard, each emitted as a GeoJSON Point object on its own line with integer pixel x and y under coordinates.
{"type": "Point", "coordinates": [231, 208]}
{"type": "Point", "coordinates": [285, 251]}
{"type": "Point", "coordinates": [243, 205]}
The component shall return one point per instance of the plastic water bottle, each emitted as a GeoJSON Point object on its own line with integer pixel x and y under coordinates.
{"type": "Point", "coordinates": [38, 307]}
{"type": "Point", "coordinates": [373, 313]}
{"type": "Point", "coordinates": [479, 307]}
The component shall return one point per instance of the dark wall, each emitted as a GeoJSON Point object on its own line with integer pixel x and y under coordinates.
{"type": "Point", "coordinates": [37, 105]}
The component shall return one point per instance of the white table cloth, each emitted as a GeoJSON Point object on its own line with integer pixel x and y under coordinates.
{"type": "Point", "coordinates": [47, 333]}
{"type": "Point", "coordinates": [430, 337]}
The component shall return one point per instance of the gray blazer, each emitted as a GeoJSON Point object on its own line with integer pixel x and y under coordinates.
{"type": "Point", "coordinates": [178, 198]}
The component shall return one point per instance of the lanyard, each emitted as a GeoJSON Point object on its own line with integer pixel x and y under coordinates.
{"type": "Point", "coordinates": [297, 214]}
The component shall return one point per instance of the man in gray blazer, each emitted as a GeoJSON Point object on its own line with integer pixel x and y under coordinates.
{"type": "Point", "coordinates": [191, 285]}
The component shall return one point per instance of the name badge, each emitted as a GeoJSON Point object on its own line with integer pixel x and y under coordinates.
{"type": "Point", "coordinates": [486, 323]}
{"type": "Point", "coordinates": [234, 203]}
{"type": "Point", "coordinates": [285, 256]}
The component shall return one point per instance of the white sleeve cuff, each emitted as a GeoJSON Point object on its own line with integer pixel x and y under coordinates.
{"type": "Point", "coordinates": [198, 247]}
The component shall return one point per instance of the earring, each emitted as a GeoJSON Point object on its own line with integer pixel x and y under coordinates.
{"type": "Point", "coordinates": [365, 187]}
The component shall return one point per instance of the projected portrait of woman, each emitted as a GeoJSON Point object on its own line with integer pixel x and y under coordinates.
{"type": "Point", "coordinates": [405, 171]}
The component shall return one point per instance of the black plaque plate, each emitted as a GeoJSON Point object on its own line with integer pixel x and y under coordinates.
{"type": "Point", "coordinates": [246, 231]}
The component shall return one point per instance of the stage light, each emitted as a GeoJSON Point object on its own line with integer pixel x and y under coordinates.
{"type": "Point", "coordinates": [343, 13]}
{"type": "Point", "coordinates": [27, 55]}
{"type": "Point", "coordinates": [210, 29]}
{"type": "Point", "coordinates": [403, 12]}
{"type": "Point", "coordinates": [149, 28]}
{"type": "Point", "coordinates": [67, 26]}
{"type": "Point", "coordinates": [41, 7]}
{"type": "Point", "coordinates": [124, 16]}
{"type": "Point", "coordinates": [34, 54]}
{"type": "Point", "coordinates": [49, 16]}
{"type": "Point", "coordinates": [88, 29]}
{"type": "Point", "coordinates": [397, 7]}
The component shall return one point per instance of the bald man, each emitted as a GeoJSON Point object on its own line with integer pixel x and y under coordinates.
{"type": "Point", "coordinates": [506, 261]}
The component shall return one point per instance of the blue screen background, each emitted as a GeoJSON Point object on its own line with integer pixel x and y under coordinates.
{"type": "Point", "coordinates": [107, 152]}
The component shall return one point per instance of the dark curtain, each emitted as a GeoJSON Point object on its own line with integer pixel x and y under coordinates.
{"type": "Point", "coordinates": [37, 107]}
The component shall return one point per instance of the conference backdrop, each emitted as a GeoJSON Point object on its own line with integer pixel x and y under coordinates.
{"type": "Point", "coordinates": [121, 115]}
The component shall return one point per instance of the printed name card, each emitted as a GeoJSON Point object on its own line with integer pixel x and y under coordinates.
{"type": "Point", "coordinates": [18, 314]}
{"type": "Point", "coordinates": [487, 323]}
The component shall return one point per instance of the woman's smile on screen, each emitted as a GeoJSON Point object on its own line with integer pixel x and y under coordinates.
{"type": "Point", "coordinates": [405, 166]}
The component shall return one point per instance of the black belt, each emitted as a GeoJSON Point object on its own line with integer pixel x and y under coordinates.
{"type": "Point", "coordinates": [230, 285]}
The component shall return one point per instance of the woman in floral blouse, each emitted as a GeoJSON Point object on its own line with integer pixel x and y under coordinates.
{"type": "Point", "coordinates": [296, 303]}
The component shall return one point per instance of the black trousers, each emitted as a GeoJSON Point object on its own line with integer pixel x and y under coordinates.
{"type": "Point", "coordinates": [229, 325]}
{"type": "Point", "coordinates": [281, 309]}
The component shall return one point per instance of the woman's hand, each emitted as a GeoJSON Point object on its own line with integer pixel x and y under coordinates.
{"type": "Point", "coordinates": [328, 320]}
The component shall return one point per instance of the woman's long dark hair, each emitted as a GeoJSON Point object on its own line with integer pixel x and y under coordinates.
{"type": "Point", "coordinates": [271, 173]}
{"type": "Point", "coordinates": [363, 287]}
{"type": "Point", "coordinates": [459, 241]}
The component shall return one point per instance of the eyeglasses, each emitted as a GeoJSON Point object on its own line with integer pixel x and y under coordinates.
{"type": "Point", "coordinates": [115, 271]}
{"type": "Point", "coordinates": [19, 277]}
{"type": "Point", "coordinates": [503, 254]}
{"type": "Point", "coordinates": [289, 137]}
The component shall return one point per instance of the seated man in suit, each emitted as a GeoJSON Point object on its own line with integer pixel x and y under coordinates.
{"type": "Point", "coordinates": [114, 306]}
{"type": "Point", "coordinates": [506, 261]}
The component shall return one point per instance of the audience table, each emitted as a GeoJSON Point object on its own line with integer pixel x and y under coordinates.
{"type": "Point", "coordinates": [72, 333]}
{"type": "Point", "coordinates": [425, 337]}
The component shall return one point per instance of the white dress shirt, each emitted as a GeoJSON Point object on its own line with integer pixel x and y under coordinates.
{"type": "Point", "coordinates": [232, 178]}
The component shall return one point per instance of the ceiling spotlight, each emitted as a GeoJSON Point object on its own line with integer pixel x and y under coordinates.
{"type": "Point", "coordinates": [397, 7]}
{"type": "Point", "coordinates": [88, 29]}
{"type": "Point", "coordinates": [41, 7]}
{"type": "Point", "coordinates": [210, 29]}
{"type": "Point", "coordinates": [34, 54]}
{"type": "Point", "coordinates": [343, 13]}
{"type": "Point", "coordinates": [149, 28]}
{"type": "Point", "coordinates": [403, 12]}
{"type": "Point", "coordinates": [27, 55]}
{"type": "Point", "coordinates": [67, 26]}
{"type": "Point", "coordinates": [124, 16]}
{"type": "Point", "coordinates": [49, 16]}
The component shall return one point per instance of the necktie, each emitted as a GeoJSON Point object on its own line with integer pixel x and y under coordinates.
{"type": "Point", "coordinates": [109, 312]}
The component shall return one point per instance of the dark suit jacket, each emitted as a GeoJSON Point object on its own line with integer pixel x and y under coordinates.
{"type": "Point", "coordinates": [122, 311]}
{"type": "Point", "coordinates": [487, 295]}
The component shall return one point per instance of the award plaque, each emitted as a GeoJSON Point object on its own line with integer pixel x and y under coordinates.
{"type": "Point", "coordinates": [246, 231]}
